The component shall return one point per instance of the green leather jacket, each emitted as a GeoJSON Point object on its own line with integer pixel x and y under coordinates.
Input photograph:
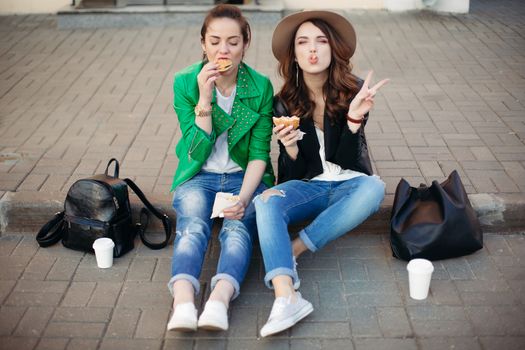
{"type": "Point", "coordinates": [249, 126]}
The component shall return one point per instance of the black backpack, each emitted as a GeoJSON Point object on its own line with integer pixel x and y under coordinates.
{"type": "Point", "coordinates": [97, 207]}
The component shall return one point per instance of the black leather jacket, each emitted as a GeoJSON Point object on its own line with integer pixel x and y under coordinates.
{"type": "Point", "coordinates": [349, 151]}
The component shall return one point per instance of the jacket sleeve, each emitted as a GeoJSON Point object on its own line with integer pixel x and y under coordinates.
{"type": "Point", "coordinates": [352, 151]}
{"type": "Point", "coordinates": [198, 143]}
{"type": "Point", "coordinates": [261, 132]}
{"type": "Point", "coordinates": [287, 168]}
{"type": "Point", "coordinates": [348, 149]}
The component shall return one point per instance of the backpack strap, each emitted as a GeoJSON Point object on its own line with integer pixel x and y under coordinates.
{"type": "Point", "coordinates": [47, 236]}
{"type": "Point", "coordinates": [144, 218]}
{"type": "Point", "coordinates": [115, 174]}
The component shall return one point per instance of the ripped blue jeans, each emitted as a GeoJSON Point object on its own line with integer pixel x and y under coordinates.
{"type": "Point", "coordinates": [193, 203]}
{"type": "Point", "coordinates": [335, 207]}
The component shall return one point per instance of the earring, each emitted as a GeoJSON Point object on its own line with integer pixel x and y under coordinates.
{"type": "Point", "coordinates": [296, 74]}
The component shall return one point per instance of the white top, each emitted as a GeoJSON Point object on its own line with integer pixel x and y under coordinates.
{"type": "Point", "coordinates": [219, 160]}
{"type": "Point", "coordinates": [332, 171]}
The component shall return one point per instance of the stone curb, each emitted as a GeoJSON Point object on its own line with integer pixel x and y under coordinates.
{"type": "Point", "coordinates": [26, 212]}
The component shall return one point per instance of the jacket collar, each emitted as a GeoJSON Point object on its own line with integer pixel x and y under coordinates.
{"type": "Point", "coordinates": [242, 117]}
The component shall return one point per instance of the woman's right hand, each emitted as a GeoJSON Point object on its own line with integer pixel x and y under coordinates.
{"type": "Point", "coordinates": [206, 81]}
{"type": "Point", "coordinates": [287, 135]}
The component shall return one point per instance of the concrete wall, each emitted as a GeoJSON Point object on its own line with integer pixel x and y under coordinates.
{"type": "Point", "coordinates": [31, 6]}
{"type": "Point", "coordinates": [462, 6]}
{"type": "Point", "coordinates": [332, 4]}
{"type": "Point", "coordinates": [458, 6]}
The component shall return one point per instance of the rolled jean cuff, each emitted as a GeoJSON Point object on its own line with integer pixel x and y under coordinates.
{"type": "Point", "coordinates": [280, 271]}
{"type": "Point", "coordinates": [183, 276]}
{"type": "Point", "coordinates": [229, 278]}
{"type": "Point", "coordinates": [307, 242]}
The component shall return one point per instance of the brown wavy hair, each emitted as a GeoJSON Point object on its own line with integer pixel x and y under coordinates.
{"type": "Point", "coordinates": [338, 89]}
{"type": "Point", "coordinates": [227, 11]}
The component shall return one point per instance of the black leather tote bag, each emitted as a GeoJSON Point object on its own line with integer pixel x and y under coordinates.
{"type": "Point", "coordinates": [436, 222]}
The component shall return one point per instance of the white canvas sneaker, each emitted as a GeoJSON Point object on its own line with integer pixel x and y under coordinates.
{"type": "Point", "coordinates": [285, 313]}
{"type": "Point", "coordinates": [184, 318]}
{"type": "Point", "coordinates": [214, 317]}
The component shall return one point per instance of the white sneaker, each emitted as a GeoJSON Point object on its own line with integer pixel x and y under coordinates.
{"type": "Point", "coordinates": [184, 318]}
{"type": "Point", "coordinates": [214, 317]}
{"type": "Point", "coordinates": [297, 282]}
{"type": "Point", "coordinates": [285, 313]}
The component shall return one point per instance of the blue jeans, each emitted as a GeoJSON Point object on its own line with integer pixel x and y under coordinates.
{"type": "Point", "coordinates": [193, 203]}
{"type": "Point", "coordinates": [335, 207]}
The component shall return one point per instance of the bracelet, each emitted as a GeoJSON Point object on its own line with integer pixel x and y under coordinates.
{"type": "Point", "coordinates": [201, 112]}
{"type": "Point", "coordinates": [355, 121]}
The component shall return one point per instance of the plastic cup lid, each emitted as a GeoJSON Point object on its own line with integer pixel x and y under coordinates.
{"type": "Point", "coordinates": [420, 266]}
{"type": "Point", "coordinates": [103, 243]}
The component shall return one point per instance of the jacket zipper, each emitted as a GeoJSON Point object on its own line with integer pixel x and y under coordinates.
{"type": "Point", "coordinates": [193, 148]}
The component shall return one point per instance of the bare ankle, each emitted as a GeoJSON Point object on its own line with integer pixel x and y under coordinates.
{"type": "Point", "coordinates": [219, 297]}
{"type": "Point", "coordinates": [222, 292]}
{"type": "Point", "coordinates": [298, 247]}
{"type": "Point", "coordinates": [283, 286]}
{"type": "Point", "coordinates": [183, 292]}
{"type": "Point", "coordinates": [285, 293]}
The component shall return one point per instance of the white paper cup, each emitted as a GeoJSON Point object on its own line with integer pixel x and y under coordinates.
{"type": "Point", "coordinates": [419, 275]}
{"type": "Point", "coordinates": [104, 252]}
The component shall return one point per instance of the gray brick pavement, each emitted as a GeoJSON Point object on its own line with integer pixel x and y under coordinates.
{"type": "Point", "coordinates": [475, 302]}
{"type": "Point", "coordinates": [70, 99]}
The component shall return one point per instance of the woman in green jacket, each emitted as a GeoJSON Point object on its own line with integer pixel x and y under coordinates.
{"type": "Point", "coordinates": [226, 127]}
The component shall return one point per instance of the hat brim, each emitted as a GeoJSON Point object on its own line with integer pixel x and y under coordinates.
{"type": "Point", "coordinates": [284, 33]}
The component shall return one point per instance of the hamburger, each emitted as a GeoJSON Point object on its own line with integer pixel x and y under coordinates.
{"type": "Point", "coordinates": [287, 121]}
{"type": "Point", "coordinates": [223, 64]}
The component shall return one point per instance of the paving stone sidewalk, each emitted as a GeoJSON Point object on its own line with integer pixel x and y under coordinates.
{"type": "Point", "coordinates": [55, 298]}
{"type": "Point", "coordinates": [71, 99]}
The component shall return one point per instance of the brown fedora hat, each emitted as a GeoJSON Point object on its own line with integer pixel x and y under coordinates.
{"type": "Point", "coordinates": [284, 33]}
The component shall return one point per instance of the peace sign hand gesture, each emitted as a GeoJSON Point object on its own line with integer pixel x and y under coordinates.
{"type": "Point", "coordinates": [364, 100]}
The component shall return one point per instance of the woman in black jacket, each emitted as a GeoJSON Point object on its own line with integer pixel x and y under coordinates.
{"type": "Point", "coordinates": [325, 174]}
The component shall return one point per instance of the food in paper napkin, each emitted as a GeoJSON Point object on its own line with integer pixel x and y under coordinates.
{"type": "Point", "coordinates": [224, 64]}
{"type": "Point", "coordinates": [223, 200]}
{"type": "Point", "coordinates": [287, 121]}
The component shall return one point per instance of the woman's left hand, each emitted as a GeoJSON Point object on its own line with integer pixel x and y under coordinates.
{"type": "Point", "coordinates": [364, 100]}
{"type": "Point", "coordinates": [235, 212]}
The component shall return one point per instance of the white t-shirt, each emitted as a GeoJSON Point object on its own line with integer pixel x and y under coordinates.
{"type": "Point", "coordinates": [219, 160]}
{"type": "Point", "coordinates": [332, 171]}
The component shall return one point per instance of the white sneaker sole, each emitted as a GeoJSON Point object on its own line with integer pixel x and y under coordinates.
{"type": "Point", "coordinates": [285, 324]}
{"type": "Point", "coordinates": [182, 327]}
